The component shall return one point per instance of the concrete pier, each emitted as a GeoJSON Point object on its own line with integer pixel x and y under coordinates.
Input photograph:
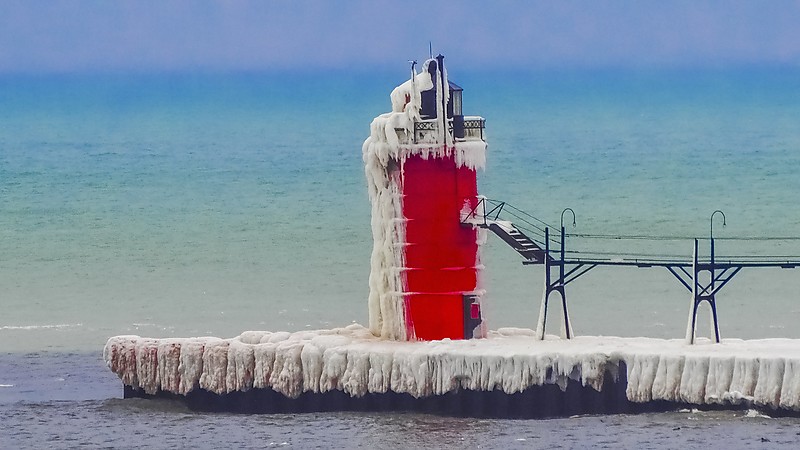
{"type": "Point", "coordinates": [508, 374]}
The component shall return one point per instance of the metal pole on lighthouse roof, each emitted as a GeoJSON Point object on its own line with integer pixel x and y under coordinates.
{"type": "Point", "coordinates": [443, 119]}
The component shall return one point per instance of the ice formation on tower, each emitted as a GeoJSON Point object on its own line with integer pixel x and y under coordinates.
{"type": "Point", "coordinates": [395, 137]}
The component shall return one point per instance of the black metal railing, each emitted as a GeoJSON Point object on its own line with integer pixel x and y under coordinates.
{"type": "Point", "coordinates": [473, 128]}
{"type": "Point", "coordinates": [488, 210]}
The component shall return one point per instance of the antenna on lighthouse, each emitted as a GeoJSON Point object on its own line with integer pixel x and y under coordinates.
{"type": "Point", "coordinates": [413, 86]}
{"type": "Point", "coordinates": [430, 50]}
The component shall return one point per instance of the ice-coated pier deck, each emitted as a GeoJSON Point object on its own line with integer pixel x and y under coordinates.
{"type": "Point", "coordinates": [349, 368]}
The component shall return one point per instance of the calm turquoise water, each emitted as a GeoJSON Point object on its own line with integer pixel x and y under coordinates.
{"type": "Point", "coordinates": [168, 205]}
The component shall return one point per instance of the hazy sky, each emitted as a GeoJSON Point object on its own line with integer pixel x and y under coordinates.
{"type": "Point", "coordinates": [144, 35]}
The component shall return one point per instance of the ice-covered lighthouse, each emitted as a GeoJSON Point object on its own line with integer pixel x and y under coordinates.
{"type": "Point", "coordinates": [421, 160]}
{"type": "Point", "coordinates": [425, 298]}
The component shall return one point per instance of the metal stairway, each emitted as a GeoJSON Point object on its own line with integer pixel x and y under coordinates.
{"type": "Point", "coordinates": [518, 240]}
{"type": "Point", "coordinates": [487, 214]}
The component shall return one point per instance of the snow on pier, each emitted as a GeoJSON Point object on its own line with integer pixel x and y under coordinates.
{"type": "Point", "coordinates": [763, 373]}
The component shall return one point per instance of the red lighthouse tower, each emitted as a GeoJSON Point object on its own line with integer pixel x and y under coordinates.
{"type": "Point", "coordinates": [421, 161]}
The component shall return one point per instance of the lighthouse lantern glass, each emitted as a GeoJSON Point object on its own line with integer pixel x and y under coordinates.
{"type": "Point", "coordinates": [455, 96]}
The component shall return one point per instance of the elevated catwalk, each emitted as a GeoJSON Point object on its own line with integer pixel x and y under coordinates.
{"type": "Point", "coordinates": [703, 277]}
{"type": "Point", "coordinates": [509, 374]}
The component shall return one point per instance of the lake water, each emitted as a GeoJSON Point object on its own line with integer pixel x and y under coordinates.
{"type": "Point", "coordinates": [185, 205]}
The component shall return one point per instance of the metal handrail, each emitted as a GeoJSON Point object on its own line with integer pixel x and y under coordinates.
{"type": "Point", "coordinates": [473, 123]}
{"type": "Point", "coordinates": [499, 207]}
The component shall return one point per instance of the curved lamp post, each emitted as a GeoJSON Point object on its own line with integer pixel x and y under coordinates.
{"type": "Point", "coordinates": [562, 217]}
{"type": "Point", "coordinates": [712, 221]}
